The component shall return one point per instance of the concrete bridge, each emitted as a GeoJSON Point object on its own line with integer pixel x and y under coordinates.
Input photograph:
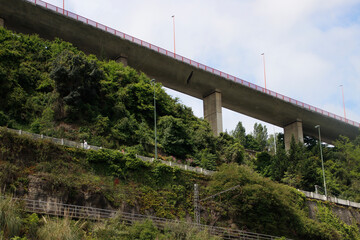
{"type": "Point", "coordinates": [217, 89]}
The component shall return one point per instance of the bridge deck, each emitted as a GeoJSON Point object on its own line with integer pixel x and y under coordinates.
{"type": "Point", "coordinates": [172, 70]}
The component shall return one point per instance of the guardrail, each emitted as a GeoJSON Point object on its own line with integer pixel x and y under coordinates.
{"type": "Point", "coordinates": [336, 200]}
{"type": "Point", "coordinates": [82, 212]}
{"type": "Point", "coordinates": [64, 142]}
{"type": "Point", "coordinates": [189, 61]}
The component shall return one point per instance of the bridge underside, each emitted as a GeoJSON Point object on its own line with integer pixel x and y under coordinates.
{"type": "Point", "coordinates": [21, 16]}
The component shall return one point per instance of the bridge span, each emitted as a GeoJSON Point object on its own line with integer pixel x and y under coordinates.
{"type": "Point", "coordinates": [216, 88]}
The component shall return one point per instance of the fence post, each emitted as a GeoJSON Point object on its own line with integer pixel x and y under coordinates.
{"type": "Point", "coordinates": [20, 132]}
{"type": "Point", "coordinates": [62, 141]}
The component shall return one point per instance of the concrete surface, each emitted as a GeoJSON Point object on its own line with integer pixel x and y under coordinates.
{"type": "Point", "coordinates": [213, 111]}
{"type": "Point", "coordinates": [293, 129]}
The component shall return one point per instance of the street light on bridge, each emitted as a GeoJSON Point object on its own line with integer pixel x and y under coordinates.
{"type": "Point", "coordinates": [173, 17]}
{"type": "Point", "coordinates": [342, 90]}
{"type": "Point", "coordinates": [263, 54]}
{"type": "Point", "coordinates": [322, 159]}
{"type": "Point", "coordinates": [155, 133]}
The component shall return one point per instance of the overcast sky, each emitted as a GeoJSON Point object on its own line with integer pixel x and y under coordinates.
{"type": "Point", "coordinates": [311, 46]}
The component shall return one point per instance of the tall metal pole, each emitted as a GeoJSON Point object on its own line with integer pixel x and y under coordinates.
{"type": "Point", "coordinates": [173, 17]}
{"type": "Point", "coordinates": [196, 204]}
{"type": "Point", "coordinates": [322, 159]}
{"type": "Point", "coordinates": [263, 54]}
{"type": "Point", "coordinates": [342, 90]}
{"type": "Point", "coordinates": [155, 133]}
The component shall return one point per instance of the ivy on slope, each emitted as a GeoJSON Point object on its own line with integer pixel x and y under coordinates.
{"type": "Point", "coordinates": [50, 87]}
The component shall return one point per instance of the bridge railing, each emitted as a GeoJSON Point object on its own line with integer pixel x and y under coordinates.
{"type": "Point", "coordinates": [83, 212]}
{"type": "Point", "coordinates": [189, 61]}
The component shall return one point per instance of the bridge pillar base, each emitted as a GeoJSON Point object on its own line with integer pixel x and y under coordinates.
{"type": "Point", "coordinates": [294, 129]}
{"type": "Point", "coordinates": [213, 112]}
{"type": "Point", "coordinates": [122, 59]}
{"type": "Point", "coordinates": [2, 22]}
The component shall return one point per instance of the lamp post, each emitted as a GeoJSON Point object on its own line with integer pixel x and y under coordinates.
{"type": "Point", "coordinates": [322, 159]}
{"type": "Point", "coordinates": [263, 54]}
{"type": "Point", "coordinates": [342, 90]}
{"type": "Point", "coordinates": [173, 17]}
{"type": "Point", "coordinates": [155, 133]}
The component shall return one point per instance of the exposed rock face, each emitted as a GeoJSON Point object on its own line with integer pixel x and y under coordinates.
{"type": "Point", "coordinates": [346, 214]}
{"type": "Point", "coordinates": [40, 189]}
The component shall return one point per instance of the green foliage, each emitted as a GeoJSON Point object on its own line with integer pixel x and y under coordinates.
{"type": "Point", "coordinates": [174, 136]}
{"type": "Point", "coordinates": [10, 221]}
{"type": "Point", "coordinates": [59, 229]}
{"type": "Point", "coordinates": [325, 215]}
{"type": "Point", "coordinates": [239, 133]}
{"type": "Point", "coordinates": [264, 206]}
{"type": "Point", "coordinates": [260, 135]}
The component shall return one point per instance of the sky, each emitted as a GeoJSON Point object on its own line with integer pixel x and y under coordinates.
{"type": "Point", "coordinates": [311, 47]}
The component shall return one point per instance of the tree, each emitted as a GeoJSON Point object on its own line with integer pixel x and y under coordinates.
{"type": "Point", "coordinates": [174, 137]}
{"type": "Point", "coordinates": [260, 135]}
{"type": "Point", "coordinates": [239, 133]}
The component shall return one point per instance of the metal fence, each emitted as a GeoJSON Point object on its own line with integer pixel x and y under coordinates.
{"type": "Point", "coordinates": [64, 142]}
{"type": "Point", "coordinates": [189, 61]}
{"type": "Point", "coordinates": [82, 212]}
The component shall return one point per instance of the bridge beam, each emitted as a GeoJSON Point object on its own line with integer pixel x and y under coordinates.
{"type": "Point", "coordinates": [2, 22]}
{"type": "Point", "coordinates": [213, 112]}
{"type": "Point", "coordinates": [293, 129]}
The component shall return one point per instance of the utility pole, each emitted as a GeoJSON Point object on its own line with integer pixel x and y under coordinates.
{"type": "Point", "coordinates": [196, 204]}
{"type": "Point", "coordinates": [155, 133]}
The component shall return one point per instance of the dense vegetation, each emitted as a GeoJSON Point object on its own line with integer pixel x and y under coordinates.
{"type": "Point", "coordinates": [125, 182]}
{"type": "Point", "coordinates": [52, 88]}
{"type": "Point", "coordinates": [300, 167]}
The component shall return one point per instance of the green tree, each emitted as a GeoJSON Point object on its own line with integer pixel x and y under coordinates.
{"type": "Point", "coordinates": [260, 135]}
{"type": "Point", "coordinates": [239, 133]}
{"type": "Point", "coordinates": [174, 136]}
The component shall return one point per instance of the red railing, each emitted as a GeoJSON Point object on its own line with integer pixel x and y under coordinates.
{"type": "Point", "coordinates": [189, 61]}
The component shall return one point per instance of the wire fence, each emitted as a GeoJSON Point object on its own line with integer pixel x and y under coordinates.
{"type": "Point", "coordinates": [68, 143]}
{"type": "Point", "coordinates": [189, 61]}
{"type": "Point", "coordinates": [83, 212]}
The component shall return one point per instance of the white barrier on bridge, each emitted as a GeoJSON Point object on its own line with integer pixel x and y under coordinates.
{"type": "Point", "coordinates": [330, 199]}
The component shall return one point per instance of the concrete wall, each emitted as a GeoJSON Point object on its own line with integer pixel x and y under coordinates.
{"type": "Point", "coordinates": [346, 214]}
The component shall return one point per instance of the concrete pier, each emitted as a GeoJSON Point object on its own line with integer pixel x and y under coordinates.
{"type": "Point", "coordinates": [293, 129]}
{"type": "Point", "coordinates": [213, 112]}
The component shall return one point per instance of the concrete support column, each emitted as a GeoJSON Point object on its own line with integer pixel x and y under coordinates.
{"type": "Point", "coordinates": [2, 22]}
{"type": "Point", "coordinates": [122, 59]}
{"type": "Point", "coordinates": [294, 129]}
{"type": "Point", "coordinates": [213, 112]}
